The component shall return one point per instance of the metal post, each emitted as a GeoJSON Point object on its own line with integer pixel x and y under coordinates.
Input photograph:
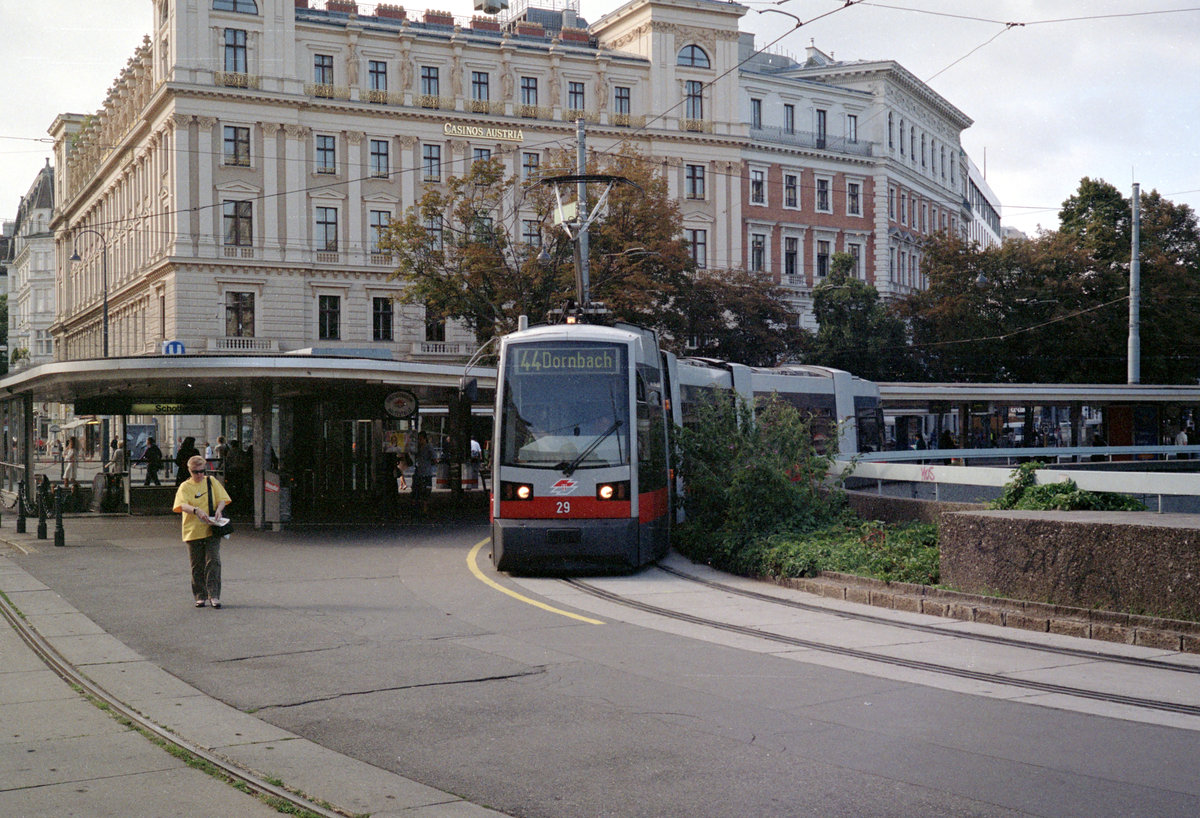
{"type": "Point", "coordinates": [581, 245]}
{"type": "Point", "coordinates": [60, 537]}
{"type": "Point", "coordinates": [20, 506]}
{"type": "Point", "coordinates": [1135, 291]}
{"type": "Point", "coordinates": [41, 526]}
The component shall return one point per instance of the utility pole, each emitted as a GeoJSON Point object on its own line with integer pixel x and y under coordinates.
{"type": "Point", "coordinates": [581, 245]}
{"type": "Point", "coordinates": [1135, 291]}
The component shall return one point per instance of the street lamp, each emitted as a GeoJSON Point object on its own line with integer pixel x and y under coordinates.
{"type": "Point", "coordinates": [103, 274]}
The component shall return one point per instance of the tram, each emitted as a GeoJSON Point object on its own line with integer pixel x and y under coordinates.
{"type": "Point", "coordinates": [582, 456]}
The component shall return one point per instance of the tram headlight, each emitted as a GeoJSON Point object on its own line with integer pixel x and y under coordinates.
{"type": "Point", "coordinates": [613, 491]}
{"type": "Point", "coordinates": [515, 491]}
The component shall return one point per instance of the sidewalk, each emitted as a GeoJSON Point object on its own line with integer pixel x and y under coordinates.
{"type": "Point", "coordinates": [60, 754]}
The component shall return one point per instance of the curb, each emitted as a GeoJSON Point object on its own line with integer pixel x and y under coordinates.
{"type": "Point", "coordinates": [1108, 626]}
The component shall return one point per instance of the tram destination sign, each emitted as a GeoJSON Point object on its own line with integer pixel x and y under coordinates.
{"type": "Point", "coordinates": [141, 406]}
{"type": "Point", "coordinates": [566, 361]}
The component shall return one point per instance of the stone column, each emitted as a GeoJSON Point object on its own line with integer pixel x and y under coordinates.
{"type": "Point", "coordinates": [204, 193]}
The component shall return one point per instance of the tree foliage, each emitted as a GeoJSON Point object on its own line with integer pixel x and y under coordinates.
{"type": "Point", "coordinates": [1055, 308]}
{"type": "Point", "coordinates": [855, 330]}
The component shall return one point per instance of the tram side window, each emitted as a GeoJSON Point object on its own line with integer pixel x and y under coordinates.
{"type": "Point", "coordinates": [820, 410]}
{"type": "Point", "coordinates": [651, 430]}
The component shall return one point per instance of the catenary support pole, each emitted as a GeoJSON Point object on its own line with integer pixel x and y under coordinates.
{"type": "Point", "coordinates": [581, 245]}
{"type": "Point", "coordinates": [1135, 291]}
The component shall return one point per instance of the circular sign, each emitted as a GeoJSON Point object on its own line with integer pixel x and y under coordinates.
{"type": "Point", "coordinates": [55, 429]}
{"type": "Point", "coordinates": [401, 404]}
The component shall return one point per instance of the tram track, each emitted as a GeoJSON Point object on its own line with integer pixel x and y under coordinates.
{"type": "Point", "coordinates": [896, 661]}
{"type": "Point", "coordinates": [281, 798]}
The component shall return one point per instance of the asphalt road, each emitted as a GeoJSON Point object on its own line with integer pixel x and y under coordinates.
{"type": "Point", "coordinates": [382, 644]}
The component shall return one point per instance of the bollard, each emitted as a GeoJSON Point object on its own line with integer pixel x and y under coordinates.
{"type": "Point", "coordinates": [20, 506]}
{"type": "Point", "coordinates": [41, 507]}
{"type": "Point", "coordinates": [60, 537]}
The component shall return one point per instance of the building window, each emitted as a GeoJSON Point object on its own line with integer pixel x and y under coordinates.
{"type": "Point", "coordinates": [758, 252]}
{"type": "Point", "coordinates": [241, 6]}
{"type": "Point", "coordinates": [329, 314]}
{"type": "Point", "coordinates": [531, 232]}
{"type": "Point", "coordinates": [431, 162]}
{"type": "Point", "coordinates": [892, 203]}
{"type": "Point", "coordinates": [791, 255]}
{"type": "Point", "coordinates": [693, 56]}
{"type": "Point", "coordinates": [697, 247]}
{"type": "Point", "coordinates": [377, 75]}
{"type": "Point", "coordinates": [789, 118]}
{"type": "Point", "coordinates": [694, 99]}
{"type": "Point", "coordinates": [327, 229]}
{"type": "Point", "coordinates": [758, 187]}
{"type": "Point", "coordinates": [891, 138]}
{"type": "Point", "coordinates": [379, 221]}
{"type": "Point", "coordinates": [435, 328]}
{"type": "Point", "coordinates": [237, 146]}
{"type": "Point", "coordinates": [481, 154]}
{"type": "Point", "coordinates": [943, 162]}
{"type": "Point", "coordinates": [382, 314]}
{"type": "Point", "coordinates": [239, 223]}
{"type": "Point", "coordinates": [576, 99]}
{"type": "Point", "coordinates": [530, 162]}
{"type": "Point", "coordinates": [239, 315]}
{"type": "Point", "coordinates": [854, 198]}
{"type": "Point", "coordinates": [323, 69]}
{"type": "Point", "coordinates": [912, 143]}
{"type": "Point", "coordinates": [529, 91]}
{"type": "Point", "coordinates": [791, 190]}
{"type": "Point", "coordinates": [903, 208]}
{"type": "Point", "coordinates": [822, 116]}
{"type": "Point", "coordinates": [43, 343]}
{"type": "Point", "coordinates": [694, 181]}
{"type": "Point", "coordinates": [235, 51]}
{"type": "Point", "coordinates": [479, 86]}
{"type": "Point", "coordinates": [429, 81]}
{"type": "Point", "coordinates": [901, 137]}
{"type": "Point", "coordinates": [851, 128]}
{"type": "Point", "coordinates": [379, 158]}
{"type": "Point", "coordinates": [326, 154]}
{"type": "Point", "coordinates": [755, 113]}
{"type": "Point", "coordinates": [823, 204]}
{"type": "Point", "coordinates": [855, 251]}
{"type": "Point", "coordinates": [822, 259]}
{"type": "Point", "coordinates": [924, 215]}
{"type": "Point", "coordinates": [621, 100]}
{"type": "Point", "coordinates": [433, 228]}
{"type": "Point", "coordinates": [923, 151]}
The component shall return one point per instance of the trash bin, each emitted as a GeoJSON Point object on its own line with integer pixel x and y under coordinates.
{"type": "Point", "coordinates": [107, 491]}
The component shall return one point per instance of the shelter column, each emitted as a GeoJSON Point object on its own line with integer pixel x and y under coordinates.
{"type": "Point", "coordinates": [260, 412]}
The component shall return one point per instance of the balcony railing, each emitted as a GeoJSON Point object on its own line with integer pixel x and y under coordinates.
{"type": "Point", "coordinates": [235, 251]}
{"type": "Point", "coordinates": [628, 120]}
{"type": "Point", "coordinates": [807, 139]}
{"type": "Point", "coordinates": [234, 79]}
{"type": "Point", "coordinates": [382, 259]}
{"type": "Point", "coordinates": [231, 343]}
{"type": "Point", "coordinates": [696, 125]}
{"type": "Point", "coordinates": [444, 348]}
{"type": "Point", "coordinates": [327, 91]}
{"type": "Point", "coordinates": [435, 102]}
{"type": "Point", "coordinates": [383, 97]}
{"type": "Point", "coordinates": [328, 256]}
{"type": "Point", "coordinates": [484, 106]}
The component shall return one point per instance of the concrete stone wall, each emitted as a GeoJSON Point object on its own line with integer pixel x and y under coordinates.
{"type": "Point", "coordinates": [1118, 561]}
{"type": "Point", "coordinates": [871, 506]}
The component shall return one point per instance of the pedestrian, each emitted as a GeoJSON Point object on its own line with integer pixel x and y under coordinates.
{"type": "Point", "coordinates": [187, 450]}
{"type": "Point", "coordinates": [70, 463]}
{"type": "Point", "coordinates": [422, 484]}
{"type": "Point", "coordinates": [153, 458]}
{"type": "Point", "coordinates": [56, 450]}
{"type": "Point", "coordinates": [401, 467]}
{"type": "Point", "coordinates": [201, 499]}
{"type": "Point", "coordinates": [116, 464]}
{"type": "Point", "coordinates": [221, 452]}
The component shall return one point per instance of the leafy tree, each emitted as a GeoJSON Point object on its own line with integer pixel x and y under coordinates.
{"type": "Point", "coordinates": [734, 315]}
{"type": "Point", "coordinates": [856, 332]}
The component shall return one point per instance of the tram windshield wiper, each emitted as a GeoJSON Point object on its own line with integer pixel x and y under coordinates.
{"type": "Point", "coordinates": [569, 468]}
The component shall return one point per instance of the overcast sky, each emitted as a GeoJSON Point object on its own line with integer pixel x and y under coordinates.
{"type": "Point", "coordinates": [1116, 98]}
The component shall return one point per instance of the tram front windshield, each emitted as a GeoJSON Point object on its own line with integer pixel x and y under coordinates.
{"type": "Point", "coordinates": [566, 405]}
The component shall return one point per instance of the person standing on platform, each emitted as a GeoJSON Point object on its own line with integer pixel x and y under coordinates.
{"type": "Point", "coordinates": [187, 450]}
{"type": "Point", "coordinates": [153, 458]}
{"type": "Point", "coordinates": [193, 499]}
{"type": "Point", "coordinates": [70, 463]}
{"type": "Point", "coordinates": [422, 485]}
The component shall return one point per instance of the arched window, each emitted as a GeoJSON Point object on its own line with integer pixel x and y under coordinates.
{"type": "Point", "coordinates": [694, 56]}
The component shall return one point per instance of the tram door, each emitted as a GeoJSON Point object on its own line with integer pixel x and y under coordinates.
{"type": "Point", "coordinates": [350, 453]}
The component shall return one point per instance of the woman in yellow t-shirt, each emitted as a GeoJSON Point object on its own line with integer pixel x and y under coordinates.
{"type": "Point", "coordinates": [192, 500]}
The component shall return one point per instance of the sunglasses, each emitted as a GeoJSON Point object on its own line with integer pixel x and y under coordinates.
{"type": "Point", "coordinates": [198, 471]}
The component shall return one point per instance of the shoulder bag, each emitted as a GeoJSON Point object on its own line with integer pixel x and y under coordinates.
{"type": "Point", "coordinates": [217, 530]}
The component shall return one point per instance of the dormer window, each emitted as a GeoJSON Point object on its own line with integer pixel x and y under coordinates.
{"type": "Point", "coordinates": [241, 6]}
{"type": "Point", "coordinates": [693, 56]}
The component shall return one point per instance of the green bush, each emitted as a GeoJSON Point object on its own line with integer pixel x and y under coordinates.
{"type": "Point", "coordinates": [757, 503]}
{"type": "Point", "coordinates": [1022, 492]}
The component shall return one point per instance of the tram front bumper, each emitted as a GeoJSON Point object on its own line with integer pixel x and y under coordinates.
{"type": "Point", "coordinates": [559, 546]}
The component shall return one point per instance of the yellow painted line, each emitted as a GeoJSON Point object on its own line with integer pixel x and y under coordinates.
{"type": "Point", "coordinates": [473, 564]}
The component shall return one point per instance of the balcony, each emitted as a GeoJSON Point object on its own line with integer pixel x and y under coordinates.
{"type": "Point", "coordinates": [435, 102]}
{"type": "Point", "coordinates": [383, 97]}
{"type": "Point", "coordinates": [328, 257]}
{"type": "Point", "coordinates": [696, 125]}
{"type": "Point", "coordinates": [483, 106]}
{"type": "Point", "coordinates": [816, 141]}
{"type": "Point", "coordinates": [444, 349]}
{"type": "Point", "coordinates": [237, 344]}
{"type": "Point", "coordinates": [326, 91]}
{"type": "Point", "coordinates": [234, 79]}
{"type": "Point", "coordinates": [383, 259]}
{"type": "Point", "coordinates": [238, 252]}
{"type": "Point", "coordinates": [627, 120]}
